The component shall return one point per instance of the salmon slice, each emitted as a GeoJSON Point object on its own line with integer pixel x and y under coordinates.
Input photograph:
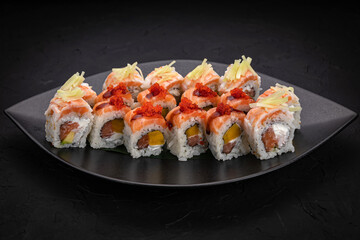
{"type": "Point", "coordinates": [146, 96]}
{"type": "Point", "coordinates": [133, 80]}
{"type": "Point", "coordinates": [215, 121]}
{"type": "Point", "coordinates": [106, 95]}
{"type": "Point", "coordinates": [89, 94]}
{"type": "Point", "coordinates": [207, 79]}
{"type": "Point", "coordinates": [138, 122]}
{"type": "Point", "coordinates": [199, 100]}
{"type": "Point", "coordinates": [59, 106]}
{"type": "Point", "coordinates": [177, 118]}
{"type": "Point", "coordinates": [241, 104]}
{"type": "Point", "coordinates": [101, 108]}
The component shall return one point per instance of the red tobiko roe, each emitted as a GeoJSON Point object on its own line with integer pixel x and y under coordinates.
{"type": "Point", "coordinates": [223, 109]}
{"type": "Point", "coordinates": [156, 89]}
{"type": "Point", "coordinates": [117, 101]}
{"type": "Point", "coordinates": [203, 91]}
{"type": "Point", "coordinates": [148, 110]}
{"type": "Point", "coordinates": [118, 89]}
{"type": "Point", "coordinates": [238, 93]}
{"type": "Point", "coordinates": [187, 106]}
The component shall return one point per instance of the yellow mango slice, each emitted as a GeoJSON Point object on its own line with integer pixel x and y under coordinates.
{"type": "Point", "coordinates": [233, 132]}
{"type": "Point", "coordinates": [117, 125]}
{"type": "Point", "coordinates": [69, 138]}
{"type": "Point", "coordinates": [192, 131]}
{"type": "Point", "coordinates": [156, 138]}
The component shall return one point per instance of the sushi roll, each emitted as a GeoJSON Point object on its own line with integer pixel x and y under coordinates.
{"type": "Point", "coordinates": [237, 99]}
{"type": "Point", "coordinates": [118, 90]}
{"type": "Point", "coordinates": [293, 101]}
{"type": "Point", "coordinates": [224, 132]}
{"type": "Point", "coordinates": [240, 74]}
{"type": "Point", "coordinates": [145, 131]}
{"type": "Point", "coordinates": [108, 127]}
{"type": "Point", "coordinates": [186, 126]}
{"type": "Point", "coordinates": [270, 126]}
{"type": "Point", "coordinates": [204, 74]}
{"type": "Point", "coordinates": [202, 96]}
{"type": "Point", "coordinates": [69, 117]}
{"type": "Point", "coordinates": [89, 94]}
{"type": "Point", "coordinates": [158, 95]}
{"type": "Point", "coordinates": [130, 75]}
{"type": "Point", "coordinates": [166, 76]}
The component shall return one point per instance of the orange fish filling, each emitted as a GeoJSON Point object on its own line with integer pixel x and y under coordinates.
{"type": "Point", "coordinates": [67, 132]}
{"type": "Point", "coordinates": [269, 139]}
{"type": "Point", "coordinates": [111, 127]}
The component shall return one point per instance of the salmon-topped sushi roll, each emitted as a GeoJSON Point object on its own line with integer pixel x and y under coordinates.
{"type": "Point", "coordinates": [204, 74]}
{"type": "Point", "coordinates": [145, 130]}
{"type": "Point", "coordinates": [89, 94]}
{"type": "Point", "coordinates": [202, 95]}
{"type": "Point", "coordinates": [108, 127]}
{"type": "Point", "coordinates": [167, 77]}
{"type": "Point", "coordinates": [130, 75]}
{"type": "Point", "coordinates": [293, 101]}
{"type": "Point", "coordinates": [158, 95]}
{"type": "Point", "coordinates": [118, 90]}
{"type": "Point", "coordinates": [224, 132]}
{"type": "Point", "coordinates": [240, 74]}
{"type": "Point", "coordinates": [270, 126]}
{"type": "Point", "coordinates": [69, 117]}
{"type": "Point", "coordinates": [186, 126]}
{"type": "Point", "coordinates": [237, 99]}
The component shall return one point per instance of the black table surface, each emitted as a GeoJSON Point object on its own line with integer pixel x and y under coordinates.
{"type": "Point", "coordinates": [316, 48]}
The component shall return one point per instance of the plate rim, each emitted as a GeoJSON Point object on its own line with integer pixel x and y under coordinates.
{"type": "Point", "coordinates": [354, 115]}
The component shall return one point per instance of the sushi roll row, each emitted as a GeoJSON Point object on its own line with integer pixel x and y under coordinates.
{"type": "Point", "coordinates": [187, 115]}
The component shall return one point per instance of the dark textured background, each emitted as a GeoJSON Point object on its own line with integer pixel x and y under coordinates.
{"type": "Point", "coordinates": [317, 48]}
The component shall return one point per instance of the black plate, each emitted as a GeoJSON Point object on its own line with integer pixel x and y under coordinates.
{"type": "Point", "coordinates": [321, 119]}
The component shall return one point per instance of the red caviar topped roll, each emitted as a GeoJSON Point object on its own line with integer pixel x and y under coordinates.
{"type": "Point", "coordinates": [117, 101]}
{"type": "Point", "coordinates": [238, 93]}
{"type": "Point", "coordinates": [118, 89]}
{"type": "Point", "coordinates": [203, 91]}
{"type": "Point", "coordinates": [187, 106]}
{"type": "Point", "coordinates": [223, 109]}
{"type": "Point", "coordinates": [149, 110]}
{"type": "Point", "coordinates": [156, 90]}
